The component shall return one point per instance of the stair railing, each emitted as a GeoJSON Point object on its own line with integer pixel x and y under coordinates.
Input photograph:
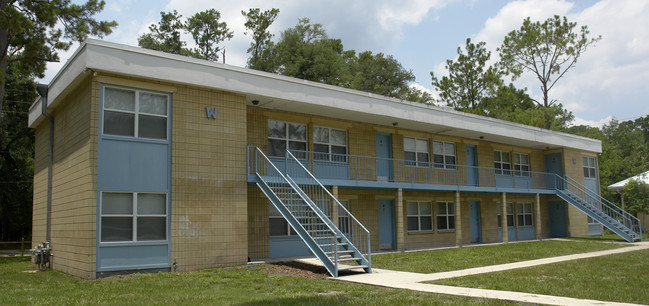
{"type": "Point", "coordinates": [605, 206]}
{"type": "Point", "coordinates": [356, 233]}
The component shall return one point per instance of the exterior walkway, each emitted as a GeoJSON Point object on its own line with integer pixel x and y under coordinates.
{"type": "Point", "coordinates": [413, 281]}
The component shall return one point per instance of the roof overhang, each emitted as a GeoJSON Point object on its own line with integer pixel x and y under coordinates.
{"type": "Point", "coordinates": [642, 177]}
{"type": "Point", "coordinates": [295, 95]}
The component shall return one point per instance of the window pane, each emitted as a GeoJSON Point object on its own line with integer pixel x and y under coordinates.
{"type": "Point", "coordinates": [320, 148]}
{"type": "Point", "coordinates": [441, 208]}
{"type": "Point", "coordinates": [413, 224]}
{"type": "Point", "coordinates": [294, 145]}
{"type": "Point", "coordinates": [449, 149]}
{"type": "Point", "coordinates": [497, 157]}
{"type": "Point", "coordinates": [525, 159]}
{"type": "Point", "coordinates": [517, 158]}
{"type": "Point", "coordinates": [338, 150]}
{"type": "Point", "coordinates": [408, 144]}
{"type": "Point", "coordinates": [528, 219]}
{"type": "Point", "coordinates": [451, 223]}
{"type": "Point", "coordinates": [276, 129]}
{"type": "Point", "coordinates": [122, 124]}
{"type": "Point", "coordinates": [151, 204]}
{"type": "Point", "coordinates": [520, 220]}
{"type": "Point", "coordinates": [321, 135]}
{"type": "Point", "coordinates": [422, 145]}
{"type": "Point", "coordinates": [592, 173]}
{"type": "Point", "coordinates": [438, 159]}
{"type": "Point", "coordinates": [272, 211]}
{"type": "Point", "coordinates": [119, 99]}
{"type": "Point", "coordinates": [339, 137]}
{"type": "Point", "coordinates": [412, 208]}
{"type": "Point", "coordinates": [117, 203]}
{"type": "Point", "coordinates": [450, 160]}
{"type": "Point", "coordinates": [425, 209]}
{"type": "Point", "coordinates": [422, 157]}
{"type": "Point", "coordinates": [409, 156]}
{"type": "Point", "coordinates": [278, 227]}
{"type": "Point", "coordinates": [505, 157]}
{"type": "Point", "coordinates": [510, 220]}
{"type": "Point", "coordinates": [426, 223]}
{"type": "Point", "coordinates": [451, 208]}
{"type": "Point", "coordinates": [586, 172]}
{"type": "Point", "coordinates": [276, 147]}
{"type": "Point", "coordinates": [152, 127]}
{"type": "Point", "coordinates": [297, 131]}
{"type": "Point", "coordinates": [153, 103]}
{"type": "Point", "coordinates": [116, 229]}
{"type": "Point", "coordinates": [151, 228]}
{"type": "Point", "coordinates": [438, 147]}
{"type": "Point", "coordinates": [442, 223]}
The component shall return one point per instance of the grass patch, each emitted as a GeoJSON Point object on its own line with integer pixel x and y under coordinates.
{"type": "Point", "coordinates": [471, 257]}
{"type": "Point", "coordinates": [615, 278]}
{"type": "Point", "coordinates": [218, 286]}
{"type": "Point", "coordinates": [608, 236]}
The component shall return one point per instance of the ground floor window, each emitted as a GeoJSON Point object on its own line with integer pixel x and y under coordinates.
{"type": "Point", "coordinates": [420, 216]}
{"type": "Point", "coordinates": [510, 215]}
{"type": "Point", "coordinates": [277, 225]}
{"type": "Point", "coordinates": [343, 218]}
{"type": "Point", "coordinates": [133, 216]}
{"type": "Point", "coordinates": [445, 216]}
{"type": "Point", "coordinates": [524, 211]}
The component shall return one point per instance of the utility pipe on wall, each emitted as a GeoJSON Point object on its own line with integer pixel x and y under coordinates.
{"type": "Point", "coordinates": [42, 91]}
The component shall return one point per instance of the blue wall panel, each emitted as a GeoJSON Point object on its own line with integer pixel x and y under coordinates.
{"type": "Point", "coordinates": [526, 233]}
{"type": "Point", "coordinates": [129, 257]}
{"type": "Point", "coordinates": [288, 247]}
{"type": "Point", "coordinates": [133, 166]}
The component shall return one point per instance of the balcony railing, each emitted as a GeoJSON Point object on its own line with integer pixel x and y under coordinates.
{"type": "Point", "coordinates": [354, 168]}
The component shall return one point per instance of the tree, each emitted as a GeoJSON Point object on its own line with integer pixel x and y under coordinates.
{"type": "Point", "coordinates": [636, 197]}
{"type": "Point", "coordinates": [257, 24]}
{"type": "Point", "coordinates": [165, 36]}
{"type": "Point", "coordinates": [30, 36]}
{"type": "Point", "coordinates": [548, 50]}
{"type": "Point", "coordinates": [380, 74]}
{"type": "Point", "coordinates": [469, 81]}
{"type": "Point", "coordinates": [208, 32]}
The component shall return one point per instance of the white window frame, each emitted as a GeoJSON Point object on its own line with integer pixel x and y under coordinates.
{"type": "Point", "coordinates": [521, 168]}
{"type": "Point", "coordinates": [136, 112]}
{"type": "Point", "coordinates": [439, 149]}
{"type": "Point", "coordinates": [590, 166]}
{"type": "Point", "coordinates": [510, 214]}
{"type": "Point", "coordinates": [329, 156]}
{"type": "Point", "coordinates": [419, 215]}
{"type": "Point", "coordinates": [418, 161]}
{"type": "Point", "coordinates": [449, 215]}
{"type": "Point", "coordinates": [134, 215]}
{"type": "Point", "coordinates": [524, 214]}
{"type": "Point", "coordinates": [289, 230]}
{"type": "Point", "coordinates": [286, 139]}
{"type": "Point", "coordinates": [502, 167]}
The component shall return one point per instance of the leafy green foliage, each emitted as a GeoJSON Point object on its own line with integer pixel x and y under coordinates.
{"type": "Point", "coordinates": [208, 32]}
{"type": "Point", "coordinates": [548, 50]}
{"type": "Point", "coordinates": [378, 73]}
{"type": "Point", "coordinates": [257, 24]}
{"type": "Point", "coordinates": [636, 197]}
{"type": "Point", "coordinates": [165, 36]}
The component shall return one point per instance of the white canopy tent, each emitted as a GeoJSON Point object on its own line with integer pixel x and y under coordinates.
{"type": "Point", "coordinates": [619, 186]}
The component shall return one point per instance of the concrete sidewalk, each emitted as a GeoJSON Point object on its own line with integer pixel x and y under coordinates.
{"type": "Point", "coordinates": [412, 281]}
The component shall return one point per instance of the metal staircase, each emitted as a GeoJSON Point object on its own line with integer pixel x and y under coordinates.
{"type": "Point", "coordinates": [592, 204]}
{"type": "Point", "coordinates": [309, 209]}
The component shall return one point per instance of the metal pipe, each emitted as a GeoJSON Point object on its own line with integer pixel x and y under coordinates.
{"type": "Point", "coordinates": [42, 90]}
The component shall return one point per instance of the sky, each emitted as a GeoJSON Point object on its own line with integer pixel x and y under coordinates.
{"type": "Point", "coordinates": [609, 81]}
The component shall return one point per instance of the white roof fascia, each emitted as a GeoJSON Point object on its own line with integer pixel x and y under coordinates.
{"type": "Point", "coordinates": [642, 177]}
{"type": "Point", "coordinates": [347, 103]}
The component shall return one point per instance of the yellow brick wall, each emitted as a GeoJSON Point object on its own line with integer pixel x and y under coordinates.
{"type": "Point", "coordinates": [73, 232]}
{"type": "Point", "coordinates": [258, 227]}
{"type": "Point", "coordinates": [209, 213]}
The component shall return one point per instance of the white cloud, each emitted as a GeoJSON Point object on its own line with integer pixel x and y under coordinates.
{"type": "Point", "coordinates": [597, 124]}
{"type": "Point", "coordinates": [395, 14]}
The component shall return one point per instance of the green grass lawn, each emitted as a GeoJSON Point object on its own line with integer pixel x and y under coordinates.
{"type": "Point", "coordinates": [218, 286]}
{"type": "Point", "coordinates": [616, 278]}
{"type": "Point", "coordinates": [471, 257]}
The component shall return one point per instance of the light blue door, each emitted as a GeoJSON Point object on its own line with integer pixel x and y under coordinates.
{"type": "Point", "coordinates": [474, 221]}
{"type": "Point", "coordinates": [557, 215]}
{"type": "Point", "coordinates": [553, 165]}
{"type": "Point", "coordinates": [471, 164]}
{"type": "Point", "coordinates": [386, 224]}
{"type": "Point", "coordinates": [383, 155]}
{"type": "Point", "coordinates": [594, 228]}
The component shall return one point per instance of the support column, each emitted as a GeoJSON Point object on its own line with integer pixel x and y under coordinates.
{"type": "Point", "coordinates": [334, 208]}
{"type": "Point", "coordinates": [537, 216]}
{"type": "Point", "coordinates": [458, 220]}
{"type": "Point", "coordinates": [401, 234]}
{"type": "Point", "coordinates": [503, 214]}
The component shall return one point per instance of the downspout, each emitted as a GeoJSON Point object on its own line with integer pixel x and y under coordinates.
{"type": "Point", "coordinates": [42, 91]}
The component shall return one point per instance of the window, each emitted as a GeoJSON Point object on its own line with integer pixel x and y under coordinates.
{"type": "Point", "coordinates": [420, 216]}
{"type": "Point", "coordinates": [133, 216]}
{"type": "Point", "coordinates": [524, 211]}
{"type": "Point", "coordinates": [135, 113]}
{"type": "Point", "coordinates": [283, 135]}
{"type": "Point", "coordinates": [415, 152]}
{"type": "Point", "coordinates": [521, 164]}
{"type": "Point", "coordinates": [343, 218]}
{"type": "Point", "coordinates": [510, 214]}
{"type": "Point", "coordinates": [589, 167]}
{"type": "Point", "coordinates": [332, 143]}
{"type": "Point", "coordinates": [445, 216]}
{"type": "Point", "coordinates": [277, 225]}
{"type": "Point", "coordinates": [502, 163]}
{"type": "Point", "coordinates": [444, 154]}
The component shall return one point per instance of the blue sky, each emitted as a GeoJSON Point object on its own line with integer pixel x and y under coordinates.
{"type": "Point", "coordinates": [611, 80]}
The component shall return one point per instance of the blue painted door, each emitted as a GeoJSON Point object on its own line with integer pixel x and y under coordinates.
{"type": "Point", "coordinates": [557, 214]}
{"type": "Point", "coordinates": [386, 224]}
{"type": "Point", "coordinates": [591, 183]}
{"type": "Point", "coordinates": [471, 163]}
{"type": "Point", "coordinates": [474, 221]}
{"type": "Point", "coordinates": [383, 154]}
{"type": "Point", "coordinates": [553, 165]}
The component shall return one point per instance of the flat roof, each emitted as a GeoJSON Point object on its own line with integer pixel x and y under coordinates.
{"type": "Point", "coordinates": [290, 94]}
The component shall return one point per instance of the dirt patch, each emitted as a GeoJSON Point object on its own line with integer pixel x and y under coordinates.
{"type": "Point", "coordinates": [292, 268]}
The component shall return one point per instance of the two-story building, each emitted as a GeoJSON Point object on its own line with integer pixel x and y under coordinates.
{"type": "Point", "coordinates": [152, 161]}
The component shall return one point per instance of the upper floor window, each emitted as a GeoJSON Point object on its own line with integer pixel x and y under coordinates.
{"type": "Point", "coordinates": [444, 154]}
{"type": "Point", "coordinates": [332, 143]}
{"type": "Point", "coordinates": [415, 152]}
{"type": "Point", "coordinates": [127, 216]}
{"type": "Point", "coordinates": [502, 162]}
{"type": "Point", "coordinates": [589, 167]}
{"type": "Point", "coordinates": [420, 216]}
{"type": "Point", "coordinates": [445, 216]}
{"type": "Point", "coordinates": [135, 113]}
{"type": "Point", "coordinates": [521, 164]}
{"type": "Point", "coordinates": [284, 135]}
